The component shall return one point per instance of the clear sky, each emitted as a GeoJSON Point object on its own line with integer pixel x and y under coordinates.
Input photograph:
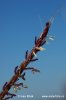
{"type": "Point", "coordinates": [19, 24]}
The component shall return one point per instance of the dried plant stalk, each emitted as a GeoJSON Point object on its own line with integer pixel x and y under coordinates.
{"type": "Point", "coordinates": [29, 57]}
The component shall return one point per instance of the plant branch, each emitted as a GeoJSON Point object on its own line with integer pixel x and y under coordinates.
{"type": "Point", "coordinates": [23, 66]}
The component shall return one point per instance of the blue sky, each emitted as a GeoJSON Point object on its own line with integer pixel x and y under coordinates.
{"type": "Point", "coordinates": [19, 24]}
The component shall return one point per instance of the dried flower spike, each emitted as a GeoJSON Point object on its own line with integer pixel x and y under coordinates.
{"type": "Point", "coordinates": [23, 66]}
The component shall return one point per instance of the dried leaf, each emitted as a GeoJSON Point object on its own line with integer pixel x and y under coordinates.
{"type": "Point", "coordinates": [15, 70]}
{"type": "Point", "coordinates": [26, 54]}
{"type": "Point", "coordinates": [40, 48]}
{"type": "Point", "coordinates": [35, 40]}
{"type": "Point", "coordinates": [34, 54]}
{"type": "Point", "coordinates": [5, 85]}
{"type": "Point", "coordinates": [34, 60]}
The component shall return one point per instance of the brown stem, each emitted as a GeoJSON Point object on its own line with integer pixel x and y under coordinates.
{"type": "Point", "coordinates": [29, 58]}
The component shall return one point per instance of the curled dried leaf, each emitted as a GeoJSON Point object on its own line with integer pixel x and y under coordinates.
{"type": "Point", "coordinates": [5, 85]}
{"type": "Point", "coordinates": [35, 40]}
{"type": "Point", "coordinates": [15, 70]}
{"type": "Point", "coordinates": [26, 54]}
{"type": "Point", "coordinates": [34, 60]}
